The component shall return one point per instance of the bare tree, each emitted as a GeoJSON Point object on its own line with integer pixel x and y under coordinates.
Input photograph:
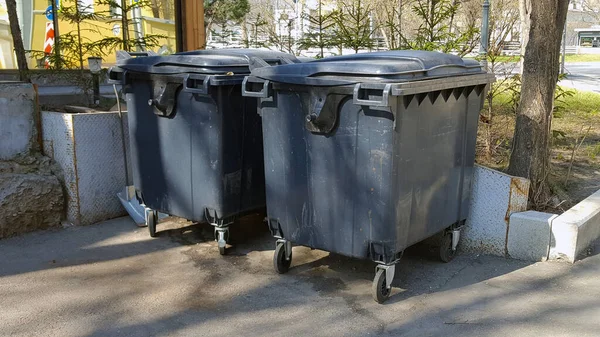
{"type": "Point", "coordinates": [591, 8]}
{"type": "Point", "coordinates": [543, 22]}
{"type": "Point", "coordinates": [394, 18]}
{"type": "Point", "coordinates": [15, 30]}
{"type": "Point", "coordinates": [504, 16]}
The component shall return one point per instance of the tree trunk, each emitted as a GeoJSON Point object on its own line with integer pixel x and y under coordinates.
{"type": "Point", "coordinates": [320, 29]}
{"type": "Point", "coordinates": [15, 30]}
{"type": "Point", "coordinates": [531, 154]}
{"type": "Point", "coordinates": [524, 12]}
{"type": "Point", "coordinates": [451, 25]}
{"type": "Point", "coordinates": [124, 25]}
{"type": "Point", "coordinates": [399, 45]}
{"type": "Point", "coordinates": [156, 9]}
{"type": "Point", "coordinates": [245, 37]}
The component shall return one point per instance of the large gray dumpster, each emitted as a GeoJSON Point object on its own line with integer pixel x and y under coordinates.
{"type": "Point", "coordinates": [196, 143]}
{"type": "Point", "coordinates": [368, 154]}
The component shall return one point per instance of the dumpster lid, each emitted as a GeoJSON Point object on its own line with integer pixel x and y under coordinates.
{"type": "Point", "coordinates": [215, 61]}
{"type": "Point", "coordinates": [387, 66]}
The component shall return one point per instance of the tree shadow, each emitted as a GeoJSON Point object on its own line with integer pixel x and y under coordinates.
{"type": "Point", "coordinates": [472, 300]}
{"type": "Point", "coordinates": [323, 294]}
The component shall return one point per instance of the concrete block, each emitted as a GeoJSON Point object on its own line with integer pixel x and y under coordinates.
{"type": "Point", "coordinates": [28, 202]}
{"type": "Point", "coordinates": [529, 235]}
{"type": "Point", "coordinates": [17, 119]}
{"type": "Point", "coordinates": [574, 230]}
{"type": "Point", "coordinates": [88, 148]}
{"type": "Point", "coordinates": [494, 197]}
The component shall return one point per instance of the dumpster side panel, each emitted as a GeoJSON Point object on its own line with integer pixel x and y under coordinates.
{"type": "Point", "coordinates": [475, 105]}
{"type": "Point", "coordinates": [227, 154]}
{"type": "Point", "coordinates": [432, 146]}
{"type": "Point", "coordinates": [160, 149]}
{"type": "Point", "coordinates": [286, 164]}
{"type": "Point", "coordinates": [329, 191]}
{"type": "Point", "coordinates": [208, 155]}
{"type": "Point", "coordinates": [253, 174]}
{"type": "Point", "coordinates": [206, 120]}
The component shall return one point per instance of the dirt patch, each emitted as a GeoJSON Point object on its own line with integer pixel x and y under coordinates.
{"type": "Point", "coordinates": [575, 151]}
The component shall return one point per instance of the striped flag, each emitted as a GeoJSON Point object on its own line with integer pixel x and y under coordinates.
{"type": "Point", "coordinates": [49, 42]}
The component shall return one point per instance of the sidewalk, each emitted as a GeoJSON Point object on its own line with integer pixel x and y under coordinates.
{"type": "Point", "coordinates": [112, 279]}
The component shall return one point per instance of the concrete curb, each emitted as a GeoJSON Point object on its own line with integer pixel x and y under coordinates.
{"type": "Point", "coordinates": [574, 230]}
{"type": "Point", "coordinates": [529, 235]}
{"type": "Point", "coordinates": [539, 236]}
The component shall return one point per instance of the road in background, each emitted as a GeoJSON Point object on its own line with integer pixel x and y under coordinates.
{"type": "Point", "coordinates": [584, 76]}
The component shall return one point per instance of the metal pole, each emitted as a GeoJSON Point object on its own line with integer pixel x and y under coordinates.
{"type": "Point", "coordinates": [96, 84]}
{"type": "Point", "coordinates": [179, 24]}
{"type": "Point", "coordinates": [485, 22]}
{"type": "Point", "coordinates": [139, 33]}
{"type": "Point", "coordinates": [564, 50]}
{"type": "Point", "coordinates": [56, 36]}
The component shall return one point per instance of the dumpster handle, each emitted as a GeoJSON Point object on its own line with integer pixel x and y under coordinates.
{"type": "Point", "coordinates": [264, 93]}
{"type": "Point", "coordinates": [115, 76]}
{"type": "Point", "coordinates": [141, 53]}
{"type": "Point", "coordinates": [255, 62]}
{"type": "Point", "coordinates": [191, 79]}
{"type": "Point", "coordinates": [385, 97]}
{"type": "Point", "coordinates": [124, 55]}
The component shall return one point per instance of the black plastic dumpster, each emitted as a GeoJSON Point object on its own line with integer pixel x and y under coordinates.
{"type": "Point", "coordinates": [368, 154]}
{"type": "Point", "coordinates": [196, 143]}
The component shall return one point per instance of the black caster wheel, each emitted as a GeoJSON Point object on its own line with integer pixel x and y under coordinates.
{"type": "Point", "coordinates": [281, 264]}
{"type": "Point", "coordinates": [446, 251]}
{"type": "Point", "coordinates": [151, 219]}
{"type": "Point", "coordinates": [379, 290]}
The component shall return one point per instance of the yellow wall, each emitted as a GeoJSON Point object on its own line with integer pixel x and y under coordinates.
{"type": "Point", "coordinates": [163, 29]}
{"type": "Point", "coordinates": [97, 30]}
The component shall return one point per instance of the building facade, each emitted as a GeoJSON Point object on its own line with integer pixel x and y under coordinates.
{"type": "Point", "coordinates": [35, 18]}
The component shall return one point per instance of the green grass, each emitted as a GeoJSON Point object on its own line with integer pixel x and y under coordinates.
{"type": "Point", "coordinates": [506, 58]}
{"type": "Point", "coordinates": [568, 58]}
{"type": "Point", "coordinates": [503, 99]}
{"type": "Point", "coordinates": [582, 58]}
{"type": "Point", "coordinates": [581, 103]}
{"type": "Point", "coordinates": [577, 118]}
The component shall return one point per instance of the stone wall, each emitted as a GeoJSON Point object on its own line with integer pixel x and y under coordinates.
{"type": "Point", "coordinates": [31, 196]}
{"type": "Point", "coordinates": [17, 120]}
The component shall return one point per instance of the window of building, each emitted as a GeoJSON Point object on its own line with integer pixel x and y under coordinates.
{"type": "Point", "coordinates": [586, 41]}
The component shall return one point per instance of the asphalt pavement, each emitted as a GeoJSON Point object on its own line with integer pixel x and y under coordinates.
{"type": "Point", "coordinates": [112, 279]}
{"type": "Point", "coordinates": [584, 76]}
